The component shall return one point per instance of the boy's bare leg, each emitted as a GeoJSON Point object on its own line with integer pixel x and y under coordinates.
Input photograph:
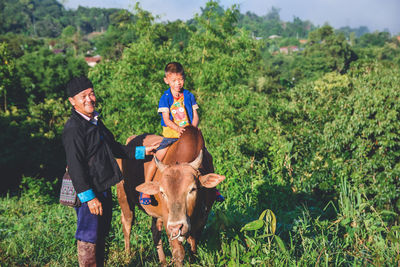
{"type": "Point", "coordinates": [151, 170]}
{"type": "Point", "coordinates": [160, 154]}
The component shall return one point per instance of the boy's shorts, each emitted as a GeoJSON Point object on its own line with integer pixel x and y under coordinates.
{"type": "Point", "coordinates": [166, 142]}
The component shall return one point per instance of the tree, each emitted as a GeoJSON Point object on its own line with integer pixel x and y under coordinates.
{"type": "Point", "coordinates": [273, 14]}
{"type": "Point", "coordinates": [373, 39]}
{"type": "Point", "coordinates": [327, 51]}
{"type": "Point", "coordinates": [48, 27]}
{"type": "Point", "coordinates": [6, 72]}
{"type": "Point", "coordinates": [71, 37]}
{"type": "Point", "coordinates": [357, 31]}
{"type": "Point", "coordinates": [298, 28]}
{"type": "Point", "coordinates": [219, 46]}
{"type": "Point", "coordinates": [43, 74]}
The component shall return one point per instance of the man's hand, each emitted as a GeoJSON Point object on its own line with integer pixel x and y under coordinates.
{"type": "Point", "coordinates": [95, 206]}
{"type": "Point", "coordinates": [151, 149]}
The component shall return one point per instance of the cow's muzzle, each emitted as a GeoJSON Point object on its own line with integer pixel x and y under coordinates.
{"type": "Point", "coordinates": [178, 236]}
{"type": "Point", "coordinates": [177, 231]}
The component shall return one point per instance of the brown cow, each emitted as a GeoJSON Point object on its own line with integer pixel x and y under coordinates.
{"type": "Point", "coordinates": [183, 191]}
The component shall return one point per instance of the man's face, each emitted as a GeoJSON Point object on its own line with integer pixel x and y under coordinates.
{"type": "Point", "coordinates": [175, 81]}
{"type": "Point", "coordinates": [84, 102]}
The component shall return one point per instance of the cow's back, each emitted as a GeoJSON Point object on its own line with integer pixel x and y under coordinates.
{"type": "Point", "coordinates": [187, 148]}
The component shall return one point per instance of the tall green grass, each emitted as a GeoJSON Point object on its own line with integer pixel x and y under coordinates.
{"type": "Point", "coordinates": [36, 231]}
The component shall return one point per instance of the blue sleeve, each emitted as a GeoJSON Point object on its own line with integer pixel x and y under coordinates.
{"type": "Point", "coordinates": [86, 196]}
{"type": "Point", "coordinates": [163, 103]}
{"type": "Point", "coordinates": [193, 99]}
{"type": "Point", "coordinates": [140, 152]}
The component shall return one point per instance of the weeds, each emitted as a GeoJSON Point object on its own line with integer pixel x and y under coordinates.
{"type": "Point", "coordinates": [35, 230]}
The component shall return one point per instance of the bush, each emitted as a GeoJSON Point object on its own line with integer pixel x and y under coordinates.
{"type": "Point", "coordinates": [345, 127]}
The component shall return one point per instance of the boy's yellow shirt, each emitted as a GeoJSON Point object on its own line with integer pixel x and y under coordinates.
{"type": "Point", "coordinates": [169, 133]}
{"type": "Point", "coordinates": [179, 116]}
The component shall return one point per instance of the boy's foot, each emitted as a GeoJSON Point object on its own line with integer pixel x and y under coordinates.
{"type": "Point", "coordinates": [144, 199]}
{"type": "Point", "coordinates": [220, 198]}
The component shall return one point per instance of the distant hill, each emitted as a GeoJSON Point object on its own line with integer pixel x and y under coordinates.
{"type": "Point", "coordinates": [47, 18]}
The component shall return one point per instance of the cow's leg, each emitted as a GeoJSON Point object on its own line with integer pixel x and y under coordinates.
{"type": "Point", "coordinates": [178, 252]}
{"type": "Point", "coordinates": [156, 227]}
{"type": "Point", "coordinates": [193, 247]}
{"type": "Point", "coordinates": [127, 215]}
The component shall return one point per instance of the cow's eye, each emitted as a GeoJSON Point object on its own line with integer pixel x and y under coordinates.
{"type": "Point", "coordinates": [193, 190]}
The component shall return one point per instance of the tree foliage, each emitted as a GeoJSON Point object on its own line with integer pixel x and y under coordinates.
{"type": "Point", "coordinates": [43, 74]}
{"type": "Point", "coordinates": [47, 18]}
{"type": "Point", "coordinates": [6, 72]}
{"type": "Point", "coordinates": [328, 52]}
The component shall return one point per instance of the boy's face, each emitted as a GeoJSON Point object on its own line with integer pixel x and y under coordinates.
{"type": "Point", "coordinates": [175, 81]}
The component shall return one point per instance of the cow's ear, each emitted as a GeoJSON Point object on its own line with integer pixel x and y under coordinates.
{"type": "Point", "coordinates": [211, 180]}
{"type": "Point", "coordinates": [150, 188]}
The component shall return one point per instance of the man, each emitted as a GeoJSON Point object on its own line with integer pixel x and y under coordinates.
{"type": "Point", "coordinates": [90, 151]}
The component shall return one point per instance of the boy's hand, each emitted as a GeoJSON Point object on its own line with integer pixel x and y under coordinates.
{"type": "Point", "coordinates": [151, 149]}
{"type": "Point", "coordinates": [180, 130]}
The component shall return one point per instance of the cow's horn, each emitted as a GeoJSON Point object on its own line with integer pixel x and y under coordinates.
{"type": "Point", "coordinates": [197, 162]}
{"type": "Point", "coordinates": [161, 166]}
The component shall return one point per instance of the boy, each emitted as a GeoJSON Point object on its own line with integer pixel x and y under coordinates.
{"type": "Point", "coordinates": [178, 108]}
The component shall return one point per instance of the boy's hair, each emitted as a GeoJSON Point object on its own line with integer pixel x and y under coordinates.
{"type": "Point", "coordinates": [174, 67]}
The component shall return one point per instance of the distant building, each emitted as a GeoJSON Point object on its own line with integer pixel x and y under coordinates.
{"type": "Point", "coordinates": [288, 49]}
{"type": "Point", "coordinates": [398, 38]}
{"type": "Point", "coordinates": [274, 36]}
{"type": "Point", "coordinates": [92, 61]}
{"type": "Point", "coordinates": [303, 41]}
{"type": "Point", "coordinates": [284, 50]}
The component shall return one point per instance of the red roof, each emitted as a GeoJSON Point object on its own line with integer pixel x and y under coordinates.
{"type": "Point", "coordinates": [93, 59]}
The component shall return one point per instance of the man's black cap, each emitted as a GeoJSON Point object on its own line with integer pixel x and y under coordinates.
{"type": "Point", "coordinates": [77, 85]}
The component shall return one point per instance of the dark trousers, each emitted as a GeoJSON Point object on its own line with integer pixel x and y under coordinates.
{"type": "Point", "coordinates": [92, 228]}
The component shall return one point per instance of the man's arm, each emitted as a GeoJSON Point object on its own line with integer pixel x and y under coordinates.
{"type": "Point", "coordinates": [128, 151]}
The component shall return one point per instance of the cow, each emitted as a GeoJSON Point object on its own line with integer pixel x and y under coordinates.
{"type": "Point", "coordinates": [182, 191]}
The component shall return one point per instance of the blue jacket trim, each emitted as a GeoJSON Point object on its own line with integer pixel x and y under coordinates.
{"type": "Point", "coordinates": [86, 196]}
{"type": "Point", "coordinates": [167, 100]}
{"type": "Point", "coordinates": [140, 152]}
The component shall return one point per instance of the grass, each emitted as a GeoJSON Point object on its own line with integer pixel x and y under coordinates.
{"type": "Point", "coordinates": [37, 231]}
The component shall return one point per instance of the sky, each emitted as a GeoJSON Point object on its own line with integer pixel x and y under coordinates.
{"type": "Point", "coordinates": [377, 15]}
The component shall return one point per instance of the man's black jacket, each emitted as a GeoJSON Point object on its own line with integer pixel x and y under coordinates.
{"type": "Point", "coordinates": [90, 151]}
